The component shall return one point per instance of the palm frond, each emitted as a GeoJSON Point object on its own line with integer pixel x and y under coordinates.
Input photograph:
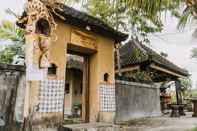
{"type": "Point", "coordinates": [10, 12]}
{"type": "Point", "coordinates": [185, 18]}
{"type": "Point", "coordinates": [9, 31]}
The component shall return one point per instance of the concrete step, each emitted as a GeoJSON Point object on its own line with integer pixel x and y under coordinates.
{"type": "Point", "coordinates": [90, 127]}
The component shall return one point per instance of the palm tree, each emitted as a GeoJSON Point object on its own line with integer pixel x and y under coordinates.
{"type": "Point", "coordinates": [151, 7]}
{"type": "Point", "coordinates": [139, 16]}
{"type": "Point", "coordinates": [10, 32]}
{"type": "Point", "coordinates": [189, 14]}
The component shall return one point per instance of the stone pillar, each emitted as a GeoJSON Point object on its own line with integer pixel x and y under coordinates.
{"type": "Point", "coordinates": [178, 92]}
{"type": "Point", "coordinates": [194, 101]}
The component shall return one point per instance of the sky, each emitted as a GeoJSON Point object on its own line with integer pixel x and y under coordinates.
{"type": "Point", "coordinates": [14, 5]}
{"type": "Point", "coordinates": [177, 44]}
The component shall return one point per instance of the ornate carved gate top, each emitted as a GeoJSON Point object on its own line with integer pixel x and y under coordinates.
{"type": "Point", "coordinates": [40, 20]}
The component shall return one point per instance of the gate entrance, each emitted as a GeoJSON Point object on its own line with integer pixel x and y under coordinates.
{"type": "Point", "coordinates": [76, 102]}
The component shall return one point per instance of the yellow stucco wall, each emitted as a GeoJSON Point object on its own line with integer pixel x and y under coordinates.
{"type": "Point", "coordinates": [58, 48]}
{"type": "Point", "coordinates": [106, 65]}
{"type": "Point", "coordinates": [100, 63]}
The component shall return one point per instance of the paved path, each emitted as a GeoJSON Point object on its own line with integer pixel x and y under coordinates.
{"type": "Point", "coordinates": [164, 123]}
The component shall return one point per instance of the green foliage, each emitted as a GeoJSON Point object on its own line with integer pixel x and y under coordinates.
{"type": "Point", "coordinates": [140, 17]}
{"type": "Point", "coordinates": [137, 16]}
{"type": "Point", "coordinates": [9, 51]}
{"type": "Point", "coordinates": [185, 18]}
{"type": "Point", "coordinates": [194, 53]}
{"type": "Point", "coordinates": [189, 14]}
{"type": "Point", "coordinates": [10, 32]}
{"type": "Point", "coordinates": [140, 76]}
{"type": "Point", "coordinates": [186, 85]}
{"type": "Point", "coordinates": [193, 93]}
{"type": "Point", "coordinates": [138, 54]}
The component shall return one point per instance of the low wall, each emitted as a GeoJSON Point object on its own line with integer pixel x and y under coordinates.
{"type": "Point", "coordinates": [135, 100]}
{"type": "Point", "coordinates": [12, 87]}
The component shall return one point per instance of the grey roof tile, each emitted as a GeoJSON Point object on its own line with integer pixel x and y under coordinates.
{"type": "Point", "coordinates": [128, 57]}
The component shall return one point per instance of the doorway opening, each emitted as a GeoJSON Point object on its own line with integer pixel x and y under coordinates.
{"type": "Point", "coordinates": [76, 88]}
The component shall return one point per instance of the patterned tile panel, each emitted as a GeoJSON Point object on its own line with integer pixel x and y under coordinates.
{"type": "Point", "coordinates": [51, 96]}
{"type": "Point", "coordinates": [107, 98]}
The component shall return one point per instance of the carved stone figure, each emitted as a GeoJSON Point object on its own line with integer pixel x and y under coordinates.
{"type": "Point", "coordinates": [41, 23]}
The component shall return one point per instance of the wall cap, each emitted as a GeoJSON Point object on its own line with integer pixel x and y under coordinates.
{"type": "Point", "coordinates": [136, 84]}
{"type": "Point", "coordinates": [7, 67]}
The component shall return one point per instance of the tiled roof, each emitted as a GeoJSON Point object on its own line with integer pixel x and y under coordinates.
{"type": "Point", "coordinates": [134, 53]}
{"type": "Point", "coordinates": [81, 19]}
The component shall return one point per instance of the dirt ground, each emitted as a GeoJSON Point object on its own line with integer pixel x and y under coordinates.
{"type": "Point", "coordinates": [164, 123]}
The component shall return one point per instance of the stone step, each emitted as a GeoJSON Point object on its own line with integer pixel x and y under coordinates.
{"type": "Point", "coordinates": [90, 127]}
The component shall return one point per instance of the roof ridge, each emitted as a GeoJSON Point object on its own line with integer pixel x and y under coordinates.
{"type": "Point", "coordinates": [93, 19]}
{"type": "Point", "coordinates": [152, 56]}
{"type": "Point", "coordinates": [80, 19]}
{"type": "Point", "coordinates": [164, 58]}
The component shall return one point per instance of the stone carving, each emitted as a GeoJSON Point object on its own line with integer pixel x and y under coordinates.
{"type": "Point", "coordinates": [40, 22]}
{"type": "Point", "coordinates": [44, 48]}
{"type": "Point", "coordinates": [39, 15]}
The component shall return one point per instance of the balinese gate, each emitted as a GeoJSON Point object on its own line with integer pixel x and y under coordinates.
{"type": "Point", "coordinates": [48, 39]}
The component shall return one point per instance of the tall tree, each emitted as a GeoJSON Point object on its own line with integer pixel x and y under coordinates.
{"type": "Point", "coordinates": [139, 17]}
{"type": "Point", "coordinates": [189, 14]}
